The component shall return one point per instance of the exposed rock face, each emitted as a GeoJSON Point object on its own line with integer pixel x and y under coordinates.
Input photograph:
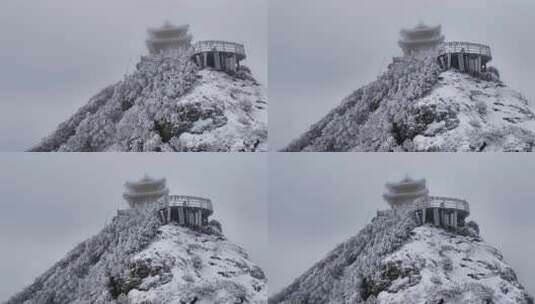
{"type": "Point", "coordinates": [135, 260]}
{"type": "Point", "coordinates": [167, 104]}
{"type": "Point", "coordinates": [392, 260]}
{"type": "Point", "coordinates": [414, 106]}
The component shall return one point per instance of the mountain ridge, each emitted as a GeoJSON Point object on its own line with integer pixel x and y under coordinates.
{"type": "Point", "coordinates": [381, 264]}
{"type": "Point", "coordinates": [135, 259]}
{"type": "Point", "coordinates": [417, 106]}
{"type": "Point", "coordinates": [169, 104]}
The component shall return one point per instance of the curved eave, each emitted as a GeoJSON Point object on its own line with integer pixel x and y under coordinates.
{"type": "Point", "coordinates": [182, 39]}
{"type": "Point", "coordinates": [168, 29]}
{"type": "Point", "coordinates": [430, 29]}
{"type": "Point", "coordinates": [406, 195]}
{"type": "Point", "coordinates": [403, 184]}
{"type": "Point", "coordinates": [433, 40]}
{"type": "Point", "coordinates": [146, 182]}
{"type": "Point", "coordinates": [128, 195]}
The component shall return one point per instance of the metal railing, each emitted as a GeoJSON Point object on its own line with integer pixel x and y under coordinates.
{"type": "Point", "coordinates": [219, 46]}
{"type": "Point", "coordinates": [441, 202]}
{"type": "Point", "coordinates": [466, 47]}
{"type": "Point", "coordinates": [190, 201]}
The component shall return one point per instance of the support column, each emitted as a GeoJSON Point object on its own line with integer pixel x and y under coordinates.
{"type": "Point", "coordinates": [217, 61]}
{"type": "Point", "coordinates": [198, 60]}
{"type": "Point", "coordinates": [423, 215]}
{"type": "Point", "coordinates": [455, 224]}
{"type": "Point", "coordinates": [205, 60]}
{"type": "Point", "coordinates": [478, 63]}
{"type": "Point", "coordinates": [436, 217]}
{"type": "Point", "coordinates": [168, 214]}
{"type": "Point", "coordinates": [181, 220]}
{"type": "Point", "coordinates": [461, 61]}
{"type": "Point", "coordinates": [449, 61]}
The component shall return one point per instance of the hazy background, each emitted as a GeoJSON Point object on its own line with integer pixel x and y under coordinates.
{"type": "Point", "coordinates": [318, 200]}
{"type": "Point", "coordinates": [56, 54]}
{"type": "Point", "coordinates": [321, 51]}
{"type": "Point", "coordinates": [52, 202]}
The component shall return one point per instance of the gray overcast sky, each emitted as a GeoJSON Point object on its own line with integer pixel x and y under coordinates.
{"type": "Point", "coordinates": [56, 54]}
{"type": "Point", "coordinates": [320, 51]}
{"type": "Point", "coordinates": [318, 200]}
{"type": "Point", "coordinates": [51, 202]}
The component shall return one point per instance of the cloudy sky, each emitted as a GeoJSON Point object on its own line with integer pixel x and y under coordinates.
{"type": "Point", "coordinates": [318, 200]}
{"type": "Point", "coordinates": [320, 51]}
{"type": "Point", "coordinates": [51, 202]}
{"type": "Point", "coordinates": [56, 54]}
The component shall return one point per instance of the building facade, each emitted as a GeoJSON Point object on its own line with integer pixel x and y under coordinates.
{"type": "Point", "coordinates": [421, 37]}
{"type": "Point", "coordinates": [145, 191]}
{"type": "Point", "coordinates": [168, 37]}
{"type": "Point", "coordinates": [402, 194]}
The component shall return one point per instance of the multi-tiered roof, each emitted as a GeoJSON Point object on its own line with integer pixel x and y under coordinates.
{"type": "Point", "coordinates": [420, 38]}
{"type": "Point", "coordinates": [168, 37]}
{"type": "Point", "coordinates": [404, 192]}
{"type": "Point", "coordinates": [146, 190]}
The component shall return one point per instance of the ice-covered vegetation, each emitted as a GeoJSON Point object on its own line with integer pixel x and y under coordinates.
{"type": "Point", "coordinates": [135, 260]}
{"type": "Point", "coordinates": [393, 260]}
{"type": "Point", "coordinates": [415, 106]}
{"type": "Point", "coordinates": [338, 278]}
{"type": "Point", "coordinates": [168, 104]}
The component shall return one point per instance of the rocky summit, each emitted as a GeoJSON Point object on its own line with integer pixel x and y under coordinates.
{"type": "Point", "coordinates": [169, 104]}
{"type": "Point", "coordinates": [417, 106]}
{"type": "Point", "coordinates": [135, 259]}
{"type": "Point", "coordinates": [395, 260]}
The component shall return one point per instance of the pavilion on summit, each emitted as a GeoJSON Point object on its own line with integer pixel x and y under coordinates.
{"type": "Point", "coordinates": [463, 56]}
{"type": "Point", "coordinates": [413, 195]}
{"type": "Point", "coordinates": [184, 210]}
{"type": "Point", "coordinates": [216, 54]}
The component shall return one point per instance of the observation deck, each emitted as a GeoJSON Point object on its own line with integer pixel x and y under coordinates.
{"type": "Point", "coordinates": [220, 55]}
{"type": "Point", "coordinates": [464, 56]}
{"type": "Point", "coordinates": [442, 202]}
{"type": "Point", "coordinates": [191, 201]}
{"type": "Point", "coordinates": [442, 211]}
{"type": "Point", "coordinates": [220, 46]}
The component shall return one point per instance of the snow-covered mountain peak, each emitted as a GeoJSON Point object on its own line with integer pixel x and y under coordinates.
{"type": "Point", "coordinates": [184, 266]}
{"type": "Point", "coordinates": [417, 106]}
{"type": "Point", "coordinates": [168, 104]}
{"type": "Point", "coordinates": [436, 266]}
{"type": "Point", "coordinates": [395, 260]}
{"type": "Point", "coordinates": [136, 260]}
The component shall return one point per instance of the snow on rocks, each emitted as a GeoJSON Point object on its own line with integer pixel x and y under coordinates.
{"type": "Point", "coordinates": [470, 114]}
{"type": "Point", "coordinates": [168, 104]}
{"type": "Point", "coordinates": [135, 260]}
{"type": "Point", "coordinates": [436, 266]}
{"type": "Point", "coordinates": [184, 266]}
{"type": "Point", "coordinates": [394, 260]}
{"type": "Point", "coordinates": [415, 106]}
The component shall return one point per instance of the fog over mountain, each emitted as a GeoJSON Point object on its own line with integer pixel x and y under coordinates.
{"type": "Point", "coordinates": [84, 47]}
{"type": "Point", "coordinates": [331, 49]}
{"type": "Point", "coordinates": [52, 202]}
{"type": "Point", "coordinates": [306, 224]}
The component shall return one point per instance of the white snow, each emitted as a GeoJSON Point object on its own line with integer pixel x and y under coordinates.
{"type": "Point", "coordinates": [491, 116]}
{"type": "Point", "coordinates": [447, 262]}
{"type": "Point", "coordinates": [203, 266]}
